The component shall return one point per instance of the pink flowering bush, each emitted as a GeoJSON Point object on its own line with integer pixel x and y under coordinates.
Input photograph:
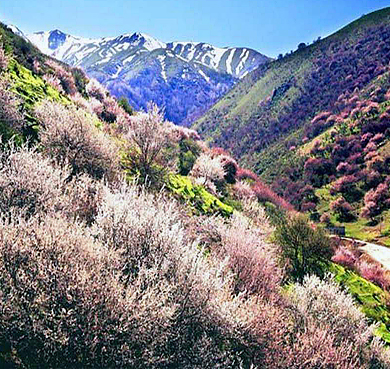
{"type": "Point", "coordinates": [69, 136]}
{"type": "Point", "coordinates": [9, 108]}
{"type": "Point", "coordinates": [54, 82]}
{"type": "Point", "coordinates": [29, 183]}
{"type": "Point", "coordinates": [375, 200]}
{"type": "Point", "coordinates": [3, 58]}
{"type": "Point", "coordinates": [343, 209]}
{"type": "Point", "coordinates": [346, 257]}
{"type": "Point", "coordinates": [63, 75]}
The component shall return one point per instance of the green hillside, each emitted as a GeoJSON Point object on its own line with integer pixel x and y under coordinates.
{"type": "Point", "coordinates": [127, 242]}
{"type": "Point", "coordinates": [271, 109]}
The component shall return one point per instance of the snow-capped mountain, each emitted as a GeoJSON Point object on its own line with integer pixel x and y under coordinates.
{"type": "Point", "coordinates": [183, 77]}
{"type": "Point", "coordinates": [17, 31]}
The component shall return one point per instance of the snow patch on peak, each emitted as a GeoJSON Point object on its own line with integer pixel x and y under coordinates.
{"type": "Point", "coordinates": [161, 59]}
{"type": "Point", "coordinates": [229, 61]}
{"type": "Point", "coordinates": [17, 31]}
{"type": "Point", "coordinates": [203, 74]}
{"type": "Point", "coordinates": [141, 39]}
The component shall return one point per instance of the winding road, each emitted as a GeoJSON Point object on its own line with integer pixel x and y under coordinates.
{"type": "Point", "coordinates": [379, 253]}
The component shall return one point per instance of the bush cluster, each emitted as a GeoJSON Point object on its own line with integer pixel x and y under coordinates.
{"type": "Point", "coordinates": [69, 136]}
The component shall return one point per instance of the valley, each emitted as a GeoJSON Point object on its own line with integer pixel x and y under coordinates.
{"type": "Point", "coordinates": [169, 205]}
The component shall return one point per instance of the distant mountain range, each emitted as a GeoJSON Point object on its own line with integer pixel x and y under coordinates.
{"type": "Point", "coordinates": [185, 78]}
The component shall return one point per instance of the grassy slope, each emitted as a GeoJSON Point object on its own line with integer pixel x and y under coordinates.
{"type": "Point", "coordinates": [245, 122]}
{"type": "Point", "coordinates": [256, 119]}
{"type": "Point", "coordinates": [32, 89]}
{"type": "Point", "coordinates": [371, 298]}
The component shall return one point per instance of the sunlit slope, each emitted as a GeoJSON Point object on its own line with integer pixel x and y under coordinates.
{"type": "Point", "coordinates": [278, 99]}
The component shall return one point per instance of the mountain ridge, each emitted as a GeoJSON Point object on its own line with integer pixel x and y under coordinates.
{"type": "Point", "coordinates": [183, 77]}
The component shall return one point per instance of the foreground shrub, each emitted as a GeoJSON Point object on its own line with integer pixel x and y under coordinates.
{"type": "Point", "coordinates": [60, 304]}
{"type": "Point", "coordinates": [325, 304]}
{"type": "Point", "coordinates": [147, 138]}
{"type": "Point", "coordinates": [253, 261]}
{"type": "Point", "coordinates": [134, 295]}
{"type": "Point", "coordinates": [28, 182]}
{"type": "Point", "coordinates": [335, 333]}
{"type": "Point", "coordinates": [208, 171]}
{"type": "Point", "coordinates": [31, 185]}
{"type": "Point", "coordinates": [69, 136]}
{"type": "Point", "coordinates": [155, 255]}
{"type": "Point", "coordinates": [305, 249]}
{"type": "Point", "coordinates": [83, 196]}
{"type": "Point", "coordinates": [11, 120]}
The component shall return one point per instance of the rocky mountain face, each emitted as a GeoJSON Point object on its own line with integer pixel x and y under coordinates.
{"type": "Point", "coordinates": [185, 78]}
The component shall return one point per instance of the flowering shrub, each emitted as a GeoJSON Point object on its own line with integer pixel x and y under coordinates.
{"type": "Point", "coordinates": [208, 171]}
{"type": "Point", "coordinates": [180, 133]}
{"type": "Point", "coordinates": [328, 309]}
{"type": "Point", "coordinates": [133, 293]}
{"type": "Point", "coordinates": [253, 261]}
{"type": "Point", "coordinates": [246, 174]}
{"type": "Point", "coordinates": [325, 218]}
{"type": "Point", "coordinates": [343, 209]}
{"type": "Point", "coordinates": [345, 168]}
{"type": "Point", "coordinates": [373, 272]}
{"type": "Point", "coordinates": [96, 90]}
{"type": "Point", "coordinates": [83, 196]}
{"type": "Point", "coordinates": [344, 185]}
{"type": "Point", "coordinates": [64, 76]}
{"type": "Point", "coordinates": [346, 257]}
{"type": "Point", "coordinates": [54, 82]}
{"type": "Point", "coordinates": [264, 193]}
{"type": "Point", "coordinates": [375, 200]}
{"type": "Point", "coordinates": [3, 58]}
{"type": "Point", "coordinates": [69, 136]}
{"type": "Point", "coordinates": [242, 190]}
{"type": "Point", "coordinates": [9, 112]}
{"type": "Point", "coordinates": [147, 138]}
{"type": "Point", "coordinates": [29, 183]}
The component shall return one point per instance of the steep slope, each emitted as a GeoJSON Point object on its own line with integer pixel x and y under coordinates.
{"type": "Point", "coordinates": [184, 77]}
{"type": "Point", "coordinates": [109, 256]}
{"type": "Point", "coordinates": [265, 114]}
{"type": "Point", "coordinates": [315, 125]}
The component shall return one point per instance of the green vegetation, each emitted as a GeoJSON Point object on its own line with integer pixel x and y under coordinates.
{"type": "Point", "coordinates": [372, 299]}
{"type": "Point", "coordinates": [189, 151]}
{"type": "Point", "coordinates": [201, 201]}
{"type": "Point", "coordinates": [99, 272]}
{"type": "Point", "coordinates": [124, 104]}
{"type": "Point", "coordinates": [31, 88]}
{"type": "Point", "coordinates": [304, 250]}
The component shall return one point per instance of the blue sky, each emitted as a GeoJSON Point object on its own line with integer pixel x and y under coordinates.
{"type": "Point", "coordinates": [271, 27]}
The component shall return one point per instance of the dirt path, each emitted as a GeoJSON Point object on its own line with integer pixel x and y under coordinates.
{"type": "Point", "coordinates": [379, 253]}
